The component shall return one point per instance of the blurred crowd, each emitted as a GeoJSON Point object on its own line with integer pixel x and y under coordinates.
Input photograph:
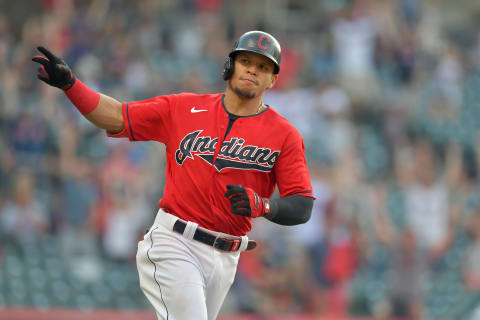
{"type": "Point", "coordinates": [384, 92]}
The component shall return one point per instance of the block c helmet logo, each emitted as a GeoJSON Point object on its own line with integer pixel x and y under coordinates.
{"type": "Point", "coordinates": [259, 43]}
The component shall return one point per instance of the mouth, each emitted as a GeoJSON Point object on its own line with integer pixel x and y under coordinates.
{"type": "Point", "coordinates": [249, 81]}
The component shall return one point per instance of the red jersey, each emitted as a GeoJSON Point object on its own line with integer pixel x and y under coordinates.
{"type": "Point", "coordinates": [257, 151]}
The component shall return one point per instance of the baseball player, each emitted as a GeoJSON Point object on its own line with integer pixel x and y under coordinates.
{"type": "Point", "coordinates": [226, 153]}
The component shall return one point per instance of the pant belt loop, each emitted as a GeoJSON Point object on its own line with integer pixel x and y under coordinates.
{"type": "Point", "coordinates": [190, 230]}
{"type": "Point", "coordinates": [244, 243]}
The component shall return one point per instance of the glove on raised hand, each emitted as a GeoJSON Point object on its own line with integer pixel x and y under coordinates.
{"type": "Point", "coordinates": [54, 71]}
{"type": "Point", "coordinates": [246, 202]}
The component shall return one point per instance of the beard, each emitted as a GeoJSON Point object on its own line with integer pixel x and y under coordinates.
{"type": "Point", "coordinates": [242, 93]}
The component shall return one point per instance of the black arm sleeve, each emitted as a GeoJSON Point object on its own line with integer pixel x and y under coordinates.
{"type": "Point", "coordinates": [290, 210]}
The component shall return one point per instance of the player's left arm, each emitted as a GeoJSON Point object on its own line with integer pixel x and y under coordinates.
{"type": "Point", "coordinates": [289, 210]}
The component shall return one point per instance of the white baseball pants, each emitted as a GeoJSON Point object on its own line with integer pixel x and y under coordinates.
{"type": "Point", "coordinates": [182, 278]}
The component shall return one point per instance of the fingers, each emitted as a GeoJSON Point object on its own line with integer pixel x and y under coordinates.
{"type": "Point", "coordinates": [54, 71]}
{"type": "Point", "coordinates": [47, 53]}
{"type": "Point", "coordinates": [234, 189]}
{"type": "Point", "coordinates": [238, 200]}
{"type": "Point", "coordinates": [241, 204]}
{"type": "Point", "coordinates": [42, 74]}
{"type": "Point", "coordinates": [239, 197]}
{"type": "Point", "coordinates": [42, 60]}
{"type": "Point", "coordinates": [231, 193]}
{"type": "Point", "coordinates": [241, 212]}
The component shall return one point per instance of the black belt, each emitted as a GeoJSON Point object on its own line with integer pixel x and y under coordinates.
{"type": "Point", "coordinates": [221, 243]}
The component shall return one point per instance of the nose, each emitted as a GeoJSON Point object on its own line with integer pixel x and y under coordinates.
{"type": "Point", "coordinates": [252, 69]}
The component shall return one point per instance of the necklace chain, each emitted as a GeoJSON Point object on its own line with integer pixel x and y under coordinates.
{"type": "Point", "coordinates": [259, 107]}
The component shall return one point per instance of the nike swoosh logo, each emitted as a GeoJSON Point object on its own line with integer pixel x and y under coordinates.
{"type": "Point", "coordinates": [193, 110]}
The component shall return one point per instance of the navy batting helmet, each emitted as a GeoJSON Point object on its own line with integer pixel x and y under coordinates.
{"type": "Point", "coordinates": [254, 41]}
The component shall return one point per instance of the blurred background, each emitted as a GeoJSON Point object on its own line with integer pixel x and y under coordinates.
{"type": "Point", "coordinates": [385, 93]}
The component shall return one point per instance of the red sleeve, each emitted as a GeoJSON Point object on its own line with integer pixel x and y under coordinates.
{"type": "Point", "coordinates": [147, 119]}
{"type": "Point", "coordinates": [291, 170]}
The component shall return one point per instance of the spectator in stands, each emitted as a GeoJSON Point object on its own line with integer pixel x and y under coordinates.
{"type": "Point", "coordinates": [405, 280]}
{"type": "Point", "coordinates": [428, 203]}
{"type": "Point", "coordinates": [23, 217]}
{"type": "Point", "coordinates": [354, 34]}
{"type": "Point", "coordinates": [126, 221]}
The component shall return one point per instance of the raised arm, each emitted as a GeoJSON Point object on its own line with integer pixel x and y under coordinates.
{"type": "Point", "coordinates": [103, 111]}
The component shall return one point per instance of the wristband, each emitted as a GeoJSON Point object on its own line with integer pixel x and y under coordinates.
{"type": "Point", "coordinates": [82, 97]}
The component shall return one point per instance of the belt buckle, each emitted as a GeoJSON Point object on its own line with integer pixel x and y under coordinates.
{"type": "Point", "coordinates": [235, 245]}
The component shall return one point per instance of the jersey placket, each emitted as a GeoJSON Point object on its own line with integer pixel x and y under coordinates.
{"type": "Point", "coordinates": [231, 120]}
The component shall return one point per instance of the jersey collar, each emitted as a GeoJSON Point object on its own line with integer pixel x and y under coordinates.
{"type": "Point", "coordinates": [249, 116]}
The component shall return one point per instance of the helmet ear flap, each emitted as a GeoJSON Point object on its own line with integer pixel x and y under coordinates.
{"type": "Point", "coordinates": [228, 68]}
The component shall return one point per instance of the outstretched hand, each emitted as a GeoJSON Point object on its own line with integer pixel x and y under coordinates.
{"type": "Point", "coordinates": [246, 202]}
{"type": "Point", "coordinates": [53, 70]}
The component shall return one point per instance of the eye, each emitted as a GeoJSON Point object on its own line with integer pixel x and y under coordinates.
{"type": "Point", "coordinates": [264, 67]}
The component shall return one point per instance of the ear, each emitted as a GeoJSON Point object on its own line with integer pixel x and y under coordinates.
{"type": "Point", "coordinates": [273, 81]}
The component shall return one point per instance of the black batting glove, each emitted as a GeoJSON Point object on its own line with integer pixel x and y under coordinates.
{"type": "Point", "coordinates": [246, 202]}
{"type": "Point", "coordinates": [54, 71]}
